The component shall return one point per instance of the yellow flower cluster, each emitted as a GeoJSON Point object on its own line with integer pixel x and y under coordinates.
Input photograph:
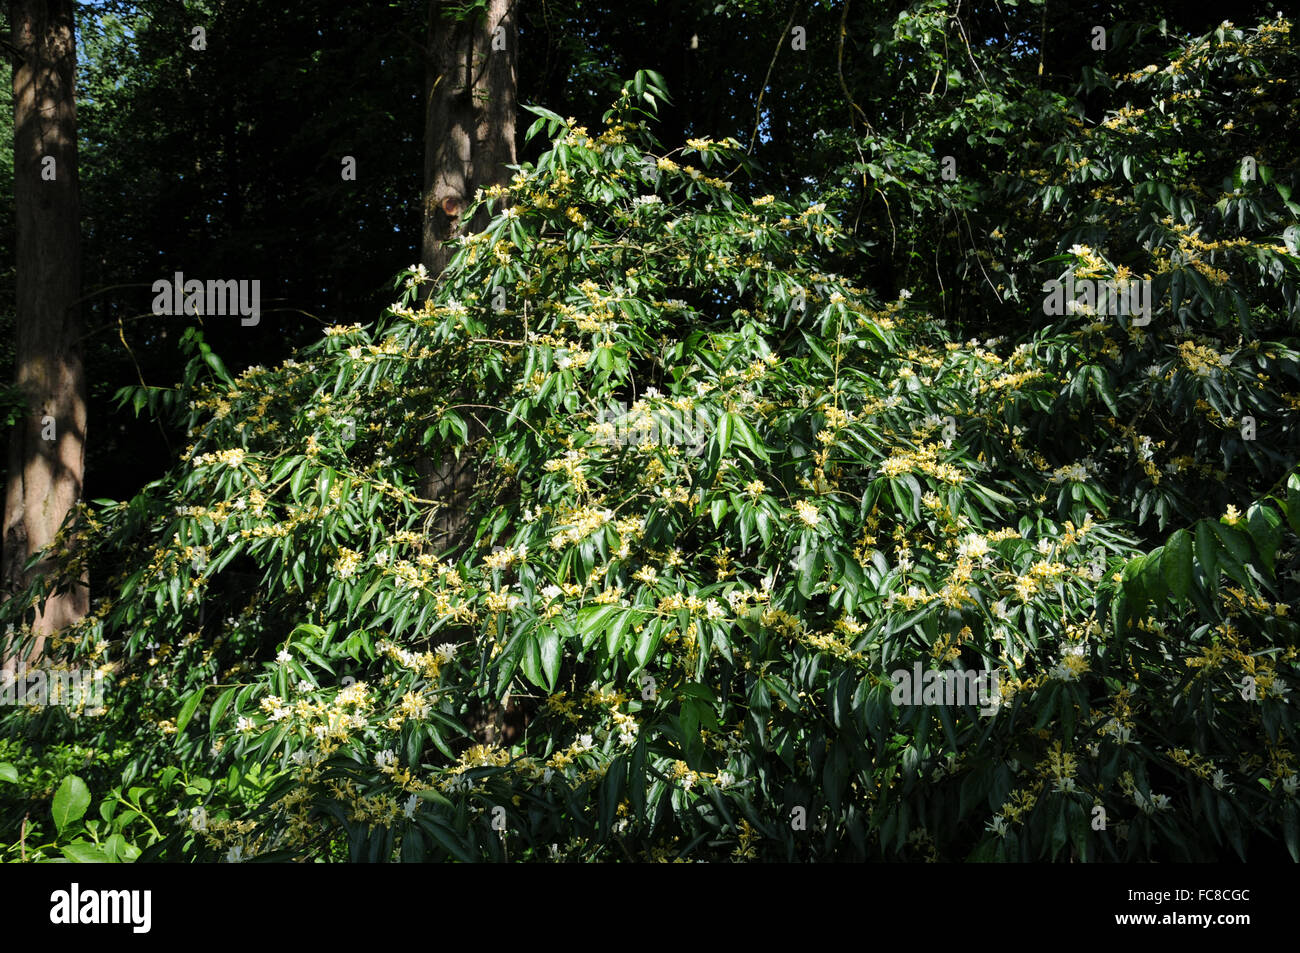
{"type": "Point", "coordinates": [231, 458]}
{"type": "Point", "coordinates": [923, 459]}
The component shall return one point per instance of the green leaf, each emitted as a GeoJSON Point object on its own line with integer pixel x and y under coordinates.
{"type": "Point", "coordinates": [8, 772]}
{"type": "Point", "coordinates": [530, 660]}
{"type": "Point", "coordinates": [83, 852]}
{"type": "Point", "coordinates": [616, 634]}
{"type": "Point", "coordinates": [1101, 382]}
{"type": "Point", "coordinates": [726, 426]}
{"type": "Point", "coordinates": [1235, 542]}
{"type": "Point", "coordinates": [188, 709]}
{"type": "Point", "coordinates": [220, 705]}
{"type": "Point", "coordinates": [592, 621]}
{"type": "Point", "coordinates": [1207, 552]}
{"type": "Point", "coordinates": [1293, 502]}
{"type": "Point", "coordinates": [1176, 564]}
{"type": "Point", "coordinates": [70, 801]}
{"type": "Point", "coordinates": [551, 655]}
{"type": "Point", "coordinates": [1265, 526]}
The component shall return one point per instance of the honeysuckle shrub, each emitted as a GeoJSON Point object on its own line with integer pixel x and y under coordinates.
{"type": "Point", "coordinates": [723, 495]}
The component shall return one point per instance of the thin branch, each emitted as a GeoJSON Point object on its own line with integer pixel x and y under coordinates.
{"type": "Point", "coordinates": [839, 70]}
{"type": "Point", "coordinates": [758, 106]}
{"type": "Point", "coordinates": [961, 28]}
{"type": "Point", "coordinates": [121, 333]}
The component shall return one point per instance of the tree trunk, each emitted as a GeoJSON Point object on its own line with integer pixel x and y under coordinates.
{"type": "Point", "coordinates": [469, 140]}
{"type": "Point", "coordinates": [47, 446]}
{"type": "Point", "coordinates": [469, 128]}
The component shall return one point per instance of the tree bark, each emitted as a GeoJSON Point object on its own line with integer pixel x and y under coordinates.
{"type": "Point", "coordinates": [470, 107]}
{"type": "Point", "coordinates": [469, 139]}
{"type": "Point", "coordinates": [47, 446]}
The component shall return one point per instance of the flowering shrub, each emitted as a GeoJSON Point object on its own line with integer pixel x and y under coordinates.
{"type": "Point", "coordinates": [709, 644]}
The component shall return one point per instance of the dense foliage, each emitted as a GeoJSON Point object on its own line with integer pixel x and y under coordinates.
{"type": "Point", "coordinates": [702, 600]}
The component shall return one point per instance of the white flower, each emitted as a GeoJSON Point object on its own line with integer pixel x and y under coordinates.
{"type": "Point", "coordinates": [284, 657]}
{"type": "Point", "coordinates": [235, 855]}
{"type": "Point", "coordinates": [1290, 784]}
{"type": "Point", "coordinates": [445, 652]}
{"type": "Point", "coordinates": [551, 591]}
{"type": "Point", "coordinates": [244, 724]}
{"type": "Point", "coordinates": [807, 512]}
{"type": "Point", "coordinates": [725, 779]}
{"type": "Point", "coordinates": [198, 819]}
{"type": "Point", "coordinates": [998, 825]}
{"type": "Point", "coordinates": [409, 808]}
{"type": "Point", "coordinates": [385, 759]}
{"type": "Point", "coordinates": [1219, 778]}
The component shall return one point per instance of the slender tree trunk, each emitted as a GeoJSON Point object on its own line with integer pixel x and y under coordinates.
{"type": "Point", "coordinates": [469, 140]}
{"type": "Point", "coordinates": [47, 446]}
{"type": "Point", "coordinates": [470, 106]}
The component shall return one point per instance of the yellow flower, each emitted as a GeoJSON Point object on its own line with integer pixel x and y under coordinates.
{"type": "Point", "coordinates": [1231, 516]}
{"type": "Point", "coordinates": [347, 563]}
{"type": "Point", "coordinates": [808, 513]}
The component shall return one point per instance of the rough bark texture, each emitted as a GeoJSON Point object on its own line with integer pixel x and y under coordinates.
{"type": "Point", "coordinates": [469, 142]}
{"type": "Point", "coordinates": [469, 129]}
{"type": "Point", "coordinates": [45, 475]}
